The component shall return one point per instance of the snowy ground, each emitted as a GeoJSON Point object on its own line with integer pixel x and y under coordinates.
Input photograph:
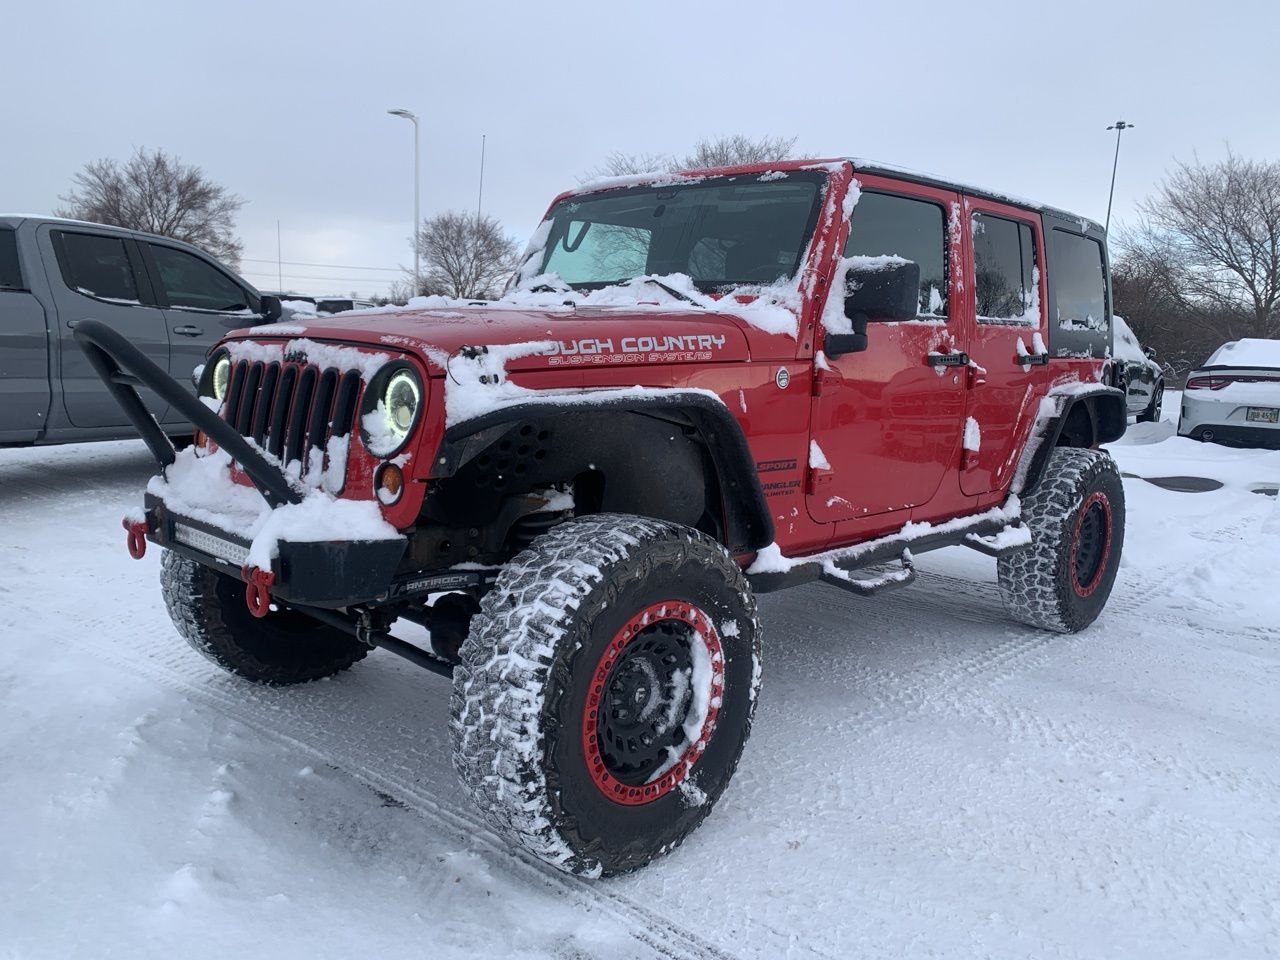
{"type": "Point", "coordinates": [926, 778]}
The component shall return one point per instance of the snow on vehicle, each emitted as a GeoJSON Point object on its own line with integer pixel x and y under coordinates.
{"type": "Point", "coordinates": [1137, 374]}
{"type": "Point", "coordinates": [1234, 398]}
{"type": "Point", "coordinates": [697, 387]}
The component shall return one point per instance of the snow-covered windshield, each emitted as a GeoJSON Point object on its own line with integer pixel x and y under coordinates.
{"type": "Point", "coordinates": [720, 232]}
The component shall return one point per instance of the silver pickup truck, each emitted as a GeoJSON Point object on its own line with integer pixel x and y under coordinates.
{"type": "Point", "coordinates": [170, 299]}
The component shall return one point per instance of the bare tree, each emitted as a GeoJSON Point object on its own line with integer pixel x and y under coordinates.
{"type": "Point", "coordinates": [724, 151]}
{"type": "Point", "coordinates": [1211, 236]}
{"type": "Point", "coordinates": [738, 149]}
{"type": "Point", "coordinates": [158, 193]}
{"type": "Point", "coordinates": [618, 164]}
{"type": "Point", "coordinates": [464, 256]}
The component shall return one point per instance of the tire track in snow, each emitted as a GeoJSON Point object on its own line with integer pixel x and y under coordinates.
{"type": "Point", "coordinates": [173, 665]}
{"type": "Point", "coordinates": [1002, 662]}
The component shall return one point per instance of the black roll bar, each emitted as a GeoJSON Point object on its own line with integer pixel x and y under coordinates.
{"type": "Point", "coordinates": [123, 368]}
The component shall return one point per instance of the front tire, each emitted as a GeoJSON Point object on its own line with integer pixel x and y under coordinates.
{"type": "Point", "coordinates": [606, 691]}
{"type": "Point", "coordinates": [1076, 516]}
{"type": "Point", "coordinates": [284, 647]}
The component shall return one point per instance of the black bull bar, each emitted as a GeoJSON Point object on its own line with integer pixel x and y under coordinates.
{"type": "Point", "coordinates": [124, 368]}
{"type": "Point", "coordinates": [324, 574]}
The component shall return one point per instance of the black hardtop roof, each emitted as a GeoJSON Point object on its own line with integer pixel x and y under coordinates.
{"type": "Point", "coordinates": [1081, 224]}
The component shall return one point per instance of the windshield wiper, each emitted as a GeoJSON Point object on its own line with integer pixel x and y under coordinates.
{"type": "Point", "coordinates": [672, 290]}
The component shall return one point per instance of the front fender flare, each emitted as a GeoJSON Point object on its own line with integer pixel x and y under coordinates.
{"type": "Point", "coordinates": [748, 525]}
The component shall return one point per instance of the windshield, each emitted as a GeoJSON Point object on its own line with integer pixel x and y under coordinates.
{"type": "Point", "coordinates": [721, 232]}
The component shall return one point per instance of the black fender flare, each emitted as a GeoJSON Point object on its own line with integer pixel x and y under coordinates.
{"type": "Point", "coordinates": [748, 524]}
{"type": "Point", "coordinates": [1108, 418]}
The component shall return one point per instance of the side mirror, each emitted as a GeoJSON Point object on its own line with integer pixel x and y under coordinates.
{"type": "Point", "coordinates": [1150, 352]}
{"type": "Point", "coordinates": [270, 308]}
{"type": "Point", "coordinates": [876, 288]}
{"type": "Point", "coordinates": [838, 344]}
{"type": "Point", "coordinates": [883, 288]}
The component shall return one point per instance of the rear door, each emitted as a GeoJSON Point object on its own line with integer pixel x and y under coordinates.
{"type": "Point", "coordinates": [887, 421]}
{"type": "Point", "coordinates": [24, 350]}
{"type": "Point", "coordinates": [202, 302]}
{"type": "Point", "coordinates": [100, 276]}
{"type": "Point", "coordinates": [1007, 345]}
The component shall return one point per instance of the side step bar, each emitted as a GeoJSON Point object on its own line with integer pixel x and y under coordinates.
{"type": "Point", "coordinates": [995, 536]}
{"type": "Point", "coordinates": [843, 578]}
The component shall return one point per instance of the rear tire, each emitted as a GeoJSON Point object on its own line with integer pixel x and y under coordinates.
{"type": "Point", "coordinates": [606, 691]}
{"type": "Point", "coordinates": [1076, 517]}
{"type": "Point", "coordinates": [284, 647]}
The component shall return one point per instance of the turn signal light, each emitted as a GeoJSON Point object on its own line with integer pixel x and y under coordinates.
{"type": "Point", "coordinates": [388, 483]}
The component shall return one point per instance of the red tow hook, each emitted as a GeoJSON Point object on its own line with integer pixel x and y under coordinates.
{"type": "Point", "coordinates": [137, 537]}
{"type": "Point", "coordinates": [257, 587]}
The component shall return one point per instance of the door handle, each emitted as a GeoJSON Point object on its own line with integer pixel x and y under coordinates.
{"type": "Point", "coordinates": [946, 360]}
{"type": "Point", "coordinates": [72, 324]}
{"type": "Point", "coordinates": [1032, 359]}
{"type": "Point", "coordinates": [188, 330]}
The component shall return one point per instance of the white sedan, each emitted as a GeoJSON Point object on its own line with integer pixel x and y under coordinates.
{"type": "Point", "coordinates": [1235, 397]}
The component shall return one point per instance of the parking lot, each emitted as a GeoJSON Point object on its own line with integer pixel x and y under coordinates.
{"type": "Point", "coordinates": [925, 776]}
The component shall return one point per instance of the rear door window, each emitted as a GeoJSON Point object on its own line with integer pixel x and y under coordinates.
{"type": "Point", "coordinates": [888, 225]}
{"type": "Point", "coordinates": [10, 272]}
{"type": "Point", "coordinates": [97, 266]}
{"type": "Point", "coordinates": [1004, 261]}
{"type": "Point", "coordinates": [1079, 283]}
{"type": "Point", "coordinates": [190, 282]}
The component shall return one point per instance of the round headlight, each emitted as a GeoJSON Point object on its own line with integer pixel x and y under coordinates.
{"type": "Point", "coordinates": [400, 403]}
{"type": "Point", "coordinates": [220, 377]}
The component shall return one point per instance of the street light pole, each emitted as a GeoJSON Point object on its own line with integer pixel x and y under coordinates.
{"type": "Point", "coordinates": [1119, 127]}
{"type": "Point", "coordinates": [417, 273]}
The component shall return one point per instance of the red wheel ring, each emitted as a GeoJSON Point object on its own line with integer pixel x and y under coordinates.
{"type": "Point", "coordinates": [1096, 499]}
{"type": "Point", "coordinates": [704, 630]}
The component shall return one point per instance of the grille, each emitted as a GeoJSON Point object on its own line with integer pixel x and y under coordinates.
{"type": "Point", "coordinates": [291, 409]}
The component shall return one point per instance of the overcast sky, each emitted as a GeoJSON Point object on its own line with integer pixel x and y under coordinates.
{"type": "Point", "coordinates": [286, 104]}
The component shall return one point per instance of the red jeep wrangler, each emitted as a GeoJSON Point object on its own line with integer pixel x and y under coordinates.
{"type": "Point", "coordinates": [696, 387]}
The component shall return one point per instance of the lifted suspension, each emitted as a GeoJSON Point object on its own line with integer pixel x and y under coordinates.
{"type": "Point", "coordinates": [373, 628]}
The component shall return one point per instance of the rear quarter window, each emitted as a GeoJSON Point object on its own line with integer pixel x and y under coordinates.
{"type": "Point", "coordinates": [1080, 283]}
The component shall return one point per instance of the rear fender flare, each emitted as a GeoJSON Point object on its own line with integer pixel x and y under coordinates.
{"type": "Point", "coordinates": [1104, 408]}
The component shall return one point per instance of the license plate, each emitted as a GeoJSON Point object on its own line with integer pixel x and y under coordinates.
{"type": "Point", "coordinates": [1263, 415]}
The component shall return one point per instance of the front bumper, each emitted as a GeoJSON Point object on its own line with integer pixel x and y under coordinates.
{"type": "Point", "coordinates": [329, 574]}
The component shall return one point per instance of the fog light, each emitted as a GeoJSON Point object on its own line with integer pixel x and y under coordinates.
{"type": "Point", "coordinates": [388, 483]}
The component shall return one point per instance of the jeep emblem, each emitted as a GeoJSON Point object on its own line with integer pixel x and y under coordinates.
{"type": "Point", "coordinates": [783, 378]}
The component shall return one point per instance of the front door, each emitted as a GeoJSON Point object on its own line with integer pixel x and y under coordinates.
{"type": "Point", "coordinates": [101, 278]}
{"type": "Point", "coordinates": [887, 421]}
{"type": "Point", "coordinates": [1007, 345]}
{"type": "Point", "coordinates": [202, 304]}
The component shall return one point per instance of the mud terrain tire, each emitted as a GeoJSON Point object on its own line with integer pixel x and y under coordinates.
{"type": "Point", "coordinates": [281, 648]}
{"type": "Point", "coordinates": [1076, 516]}
{"type": "Point", "coordinates": [576, 632]}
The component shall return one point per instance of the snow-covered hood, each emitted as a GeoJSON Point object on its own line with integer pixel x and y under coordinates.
{"type": "Point", "coordinates": [577, 338]}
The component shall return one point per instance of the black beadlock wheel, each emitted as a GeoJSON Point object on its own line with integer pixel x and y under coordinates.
{"type": "Point", "coordinates": [284, 647]}
{"type": "Point", "coordinates": [606, 690]}
{"type": "Point", "coordinates": [1076, 517]}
